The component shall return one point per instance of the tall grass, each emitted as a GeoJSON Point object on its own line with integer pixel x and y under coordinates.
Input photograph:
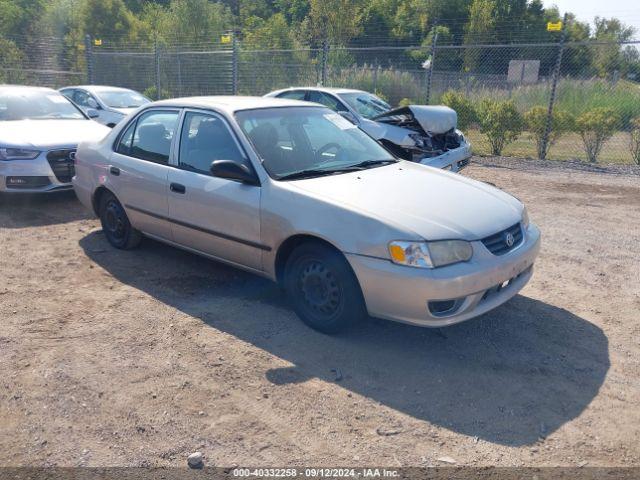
{"type": "Point", "coordinates": [572, 96]}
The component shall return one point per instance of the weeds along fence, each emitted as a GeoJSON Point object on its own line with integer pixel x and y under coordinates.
{"type": "Point", "coordinates": [562, 100]}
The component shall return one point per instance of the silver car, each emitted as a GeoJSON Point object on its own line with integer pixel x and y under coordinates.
{"type": "Point", "coordinates": [39, 132]}
{"type": "Point", "coordinates": [111, 103]}
{"type": "Point", "coordinates": [423, 134]}
{"type": "Point", "coordinates": [296, 193]}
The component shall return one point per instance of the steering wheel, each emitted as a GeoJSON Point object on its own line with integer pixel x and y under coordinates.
{"type": "Point", "coordinates": [328, 146]}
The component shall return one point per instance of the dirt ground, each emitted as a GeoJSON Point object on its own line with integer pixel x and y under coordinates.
{"type": "Point", "coordinates": [140, 358]}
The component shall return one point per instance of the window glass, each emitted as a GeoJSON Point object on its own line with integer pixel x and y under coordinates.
{"type": "Point", "coordinates": [365, 104]}
{"type": "Point", "coordinates": [327, 101]}
{"type": "Point", "coordinates": [28, 103]}
{"type": "Point", "coordinates": [122, 98]}
{"type": "Point", "coordinates": [153, 135]}
{"type": "Point", "coordinates": [293, 139]}
{"type": "Point", "coordinates": [81, 98]}
{"type": "Point", "coordinates": [206, 138]}
{"type": "Point", "coordinates": [293, 94]}
{"type": "Point", "coordinates": [124, 146]}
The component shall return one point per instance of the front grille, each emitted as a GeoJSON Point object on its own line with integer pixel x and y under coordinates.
{"type": "Point", "coordinates": [61, 162]}
{"type": "Point", "coordinates": [497, 243]}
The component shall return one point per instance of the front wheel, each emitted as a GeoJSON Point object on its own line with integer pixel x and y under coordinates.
{"type": "Point", "coordinates": [116, 225]}
{"type": "Point", "coordinates": [324, 290]}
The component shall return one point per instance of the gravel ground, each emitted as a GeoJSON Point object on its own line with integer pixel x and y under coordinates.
{"type": "Point", "coordinates": [140, 358]}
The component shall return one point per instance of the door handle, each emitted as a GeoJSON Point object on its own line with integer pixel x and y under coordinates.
{"type": "Point", "coordinates": [176, 187]}
{"type": "Point", "coordinates": [114, 171]}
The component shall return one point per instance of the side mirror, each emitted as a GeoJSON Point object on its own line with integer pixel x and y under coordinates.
{"type": "Point", "coordinates": [93, 113]}
{"type": "Point", "coordinates": [349, 116]}
{"type": "Point", "coordinates": [233, 171]}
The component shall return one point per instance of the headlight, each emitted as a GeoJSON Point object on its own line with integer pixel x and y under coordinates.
{"type": "Point", "coordinates": [18, 154]}
{"type": "Point", "coordinates": [525, 219]}
{"type": "Point", "coordinates": [430, 254]}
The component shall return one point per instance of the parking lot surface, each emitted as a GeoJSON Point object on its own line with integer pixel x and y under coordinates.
{"type": "Point", "coordinates": [139, 358]}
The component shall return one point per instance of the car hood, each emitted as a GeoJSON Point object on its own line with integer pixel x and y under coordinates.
{"type": "Point", "coordinates": [435, 119]}
{"type": "Point", "coordinates": [432, 203]}
{"type": "Point", "coordinates": [43, 134]}
{"type": "Point", "coordinates": [123, 111]}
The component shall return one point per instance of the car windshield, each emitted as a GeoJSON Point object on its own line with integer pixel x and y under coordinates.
{"type": "Point", "coordinates": [366, 104]}
{"type": "Point", "coordinates": [298, 142]}
{"type": "Point", "coordinates": [122, 99]}
{"type": "Point", "coordinates": [28, 104]}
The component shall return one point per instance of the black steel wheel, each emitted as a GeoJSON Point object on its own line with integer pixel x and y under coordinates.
{"type": "Point", "coordinates": [323, 289]}
{"type": "Point", "coordinates": [115, 224]}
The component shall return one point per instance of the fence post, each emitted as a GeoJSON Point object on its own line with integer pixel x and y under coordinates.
{"type": "Point", "coordinates": [434, 42]}
{"type": "Point", "coordinates": [234, 62]}
{"type": "Point", "coordinates": [554, 85]}
{"type": "Point", "coordinates": [88, 54]}
{"type": "Point", "coordinates": [156, 52]}
{"type": "Point", "coordinates": [325, 61]}
{"type": "Point", "coordinates": [179, 62]}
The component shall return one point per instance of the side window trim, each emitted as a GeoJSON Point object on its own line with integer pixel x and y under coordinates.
{"type": "Point", "coordinates": [121, 133]}
{"type": "Point", "coordinates": [175, 160]}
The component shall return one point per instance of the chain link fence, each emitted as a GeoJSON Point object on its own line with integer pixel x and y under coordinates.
{"type": "Point", "coordinates": [562, 100]}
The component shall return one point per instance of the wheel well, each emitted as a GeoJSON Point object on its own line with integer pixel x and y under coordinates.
{"type": "Point", "coordinates": [97, 195]}
{"type": "Point", "coordinates": [289, 245]}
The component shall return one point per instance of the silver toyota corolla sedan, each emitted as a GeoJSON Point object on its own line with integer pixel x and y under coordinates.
{"type": "Point", "coordinates": [39, 132]}
{"type": "Point", "coordinates": [296, 193]}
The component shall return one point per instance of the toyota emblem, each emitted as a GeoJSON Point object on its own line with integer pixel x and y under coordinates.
{"type": "Point", "coordinates": [509, 240]}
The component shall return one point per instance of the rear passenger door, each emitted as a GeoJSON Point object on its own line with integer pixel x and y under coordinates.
{"type": "Point", "coordinates": [140, 166]}
{"type": "Point", "coordinates": [214, 215]}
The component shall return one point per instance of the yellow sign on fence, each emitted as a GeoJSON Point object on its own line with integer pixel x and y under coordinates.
{"type": "Point", "coordinates": [225, 39]}
{"type": "Point", "coordinates": [554, 27]}
{"type": "Point", "coordinates": [97, 42]}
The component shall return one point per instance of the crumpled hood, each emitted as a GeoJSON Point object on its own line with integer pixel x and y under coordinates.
{"type": "Point", "coordinates": [432, 203]}
{"type": "Point", "coordinates": [44, 134]}
{"type": "Point", "coordinates": [436, 119]}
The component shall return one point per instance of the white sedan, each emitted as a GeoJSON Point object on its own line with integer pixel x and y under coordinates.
{"type": "Point", "coordinates": [111, 103]}
{"type": "Point", "coordinates": [39, 133]}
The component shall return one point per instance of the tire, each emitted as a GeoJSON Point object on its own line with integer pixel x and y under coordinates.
{"type": "Point", "coordinates": [116, 225]}
{"type": "Point", "coordinates": [323, 289]}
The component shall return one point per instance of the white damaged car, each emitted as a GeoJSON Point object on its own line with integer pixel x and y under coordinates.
{"type": "Point", "coordinates": [419, 133]}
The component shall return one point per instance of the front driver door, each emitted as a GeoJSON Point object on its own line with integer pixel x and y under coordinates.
{"type": "Point", "coordinates": [216, 216]}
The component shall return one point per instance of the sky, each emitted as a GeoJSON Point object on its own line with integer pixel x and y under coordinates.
{"type": "Point", "coordinates": [628, 11]}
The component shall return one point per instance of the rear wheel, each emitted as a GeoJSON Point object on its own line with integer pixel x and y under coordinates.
{"type": "Point", "coordinates": [323, 289]}
{"type": "Point", "coordinates": [115, 224]}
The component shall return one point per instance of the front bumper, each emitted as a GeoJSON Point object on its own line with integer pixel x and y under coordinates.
{"type": "Point", "coordinates": [454, 160]}
{"type": "Point", "coordinates": [31, 176]}
{"type": "Point", "coordinates": [401, 293]}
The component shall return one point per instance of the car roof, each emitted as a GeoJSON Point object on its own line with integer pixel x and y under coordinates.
{"type": "Point", "coordinates": [335, 91]}
{"type": "Point", "coordinates": [26, 87]}
{"type": "Point", "coordinates": [230, 104]}
{"type": "Point", "coordinates": [99, 88]}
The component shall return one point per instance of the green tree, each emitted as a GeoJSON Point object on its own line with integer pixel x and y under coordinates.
{"type": "Point", "coordinates": [500, 122]}
{"type": "Point", "coordinates": [480, 29]}
{"type": "Point", "coordinates": [11, 59]}
{"type": "Point", "coordinates": [463, 106]}
{"type": "Point", "coordinates": [595, 127]}
{"type": "Point", "coordinates": [108, 19]}
{"type": "Point", "coordinates": [536, 123]}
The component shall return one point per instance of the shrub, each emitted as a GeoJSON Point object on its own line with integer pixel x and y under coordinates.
{"type": "Point", "coordinates": [150, 92]}
{"type": "Point", "coordinates": [405, 102]}
{"type": "Point", "coordinates": [595, 127]}
{"type": "Point", "coordinates": [463, 107]}
{"type": "Point", "coordinates": [634, 139]}
{"type": "Point", "coordinates": [500, 122]}
{"type": "Point", "coordinates": [536, 123]}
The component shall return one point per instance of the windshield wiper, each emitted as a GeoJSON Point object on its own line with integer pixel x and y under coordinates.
{"type": "Point", "coordinates": [316, 172]}
{"type": "Point", "coordinates": [312, 172]}
{"type": "Point", "coordinates": [371, 163]}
